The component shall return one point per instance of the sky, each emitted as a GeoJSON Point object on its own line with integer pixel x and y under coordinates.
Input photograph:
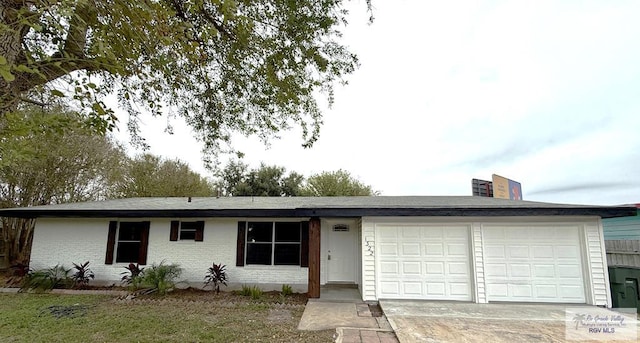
{"type": "Point", "coordinates": [546, 93]}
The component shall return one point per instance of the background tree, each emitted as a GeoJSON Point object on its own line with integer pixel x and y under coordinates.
{"type": "Point", "coordinates": [60, 160]}
{"type": "Point", "coordinates": [226, 66]}
{"type": "Point", "coordinates": [236, 179]}
{"type": "Point", "coordinates": [152, 176]}
{"type": "Point", "coordinates": [335, 183]}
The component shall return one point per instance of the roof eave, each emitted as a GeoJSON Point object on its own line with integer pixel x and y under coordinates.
{"type": "Point", "coordinates": [604, 212]}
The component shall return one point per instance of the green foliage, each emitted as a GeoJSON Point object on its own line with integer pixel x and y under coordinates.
{"type": "Point", "coordinates": [251, 67]}
{"type": "Point", "coordinates": [336, 183]}
{"type": "Point", "coordinates": [245, 291]}
{"type": "Point", "coordinates": [238, 180]}
{"type": "Point", "coordinates": [255, 293]}
{"type": "Point", "coordinates": [148, 175]}
{"type": "Point", "coordinates": [161, 277]}
{"type": "Point", "coordinates": [47, 279]}
{"type": "Point", "coordinates": [132, 276]}
{"type": "Point", "coordinates": [216, 276]}
{"type": "Point", "coordinates": [82, 275]}
{"type": "Point", "coordinates": [286, 290]}
{"type": "Point", "coordinates": [50, 157]}
{"type": "Point", "coordinates": [251, 291]}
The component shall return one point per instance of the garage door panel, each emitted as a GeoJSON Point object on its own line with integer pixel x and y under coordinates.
{"type": "Point", "coordinates": [434, 268]}
{"type": "Point", "coordinates": [498, 290]}
{"type": "Point", "coordinates": [411, 249]}
{"type": "Point", "coordinates": [432, 263]}
{"type": "Point", "coordinates": [572, 292]}
{"type": "Point", "coordinates": [544, 271]}
{"type": "Point", "coordinates": [458, 249]}
{"type": "Point", "coordinates": [494, 251]}
{"type": "Point", "coordinates": [541, 264]}
{"type": "Point", "coordinates": [518, 251]}
{"type": "Point", "coordinates": [459, 289]}
{"type": "Point", "coordinates": [520, 270]}
{"type": "Point", "coordinates": [412, 288]}
{"type": "Point", "coordinates": [430, 232]}
{"type": "Point", "coordinates": [569, 271]}
{"type": "Point", "coordinates": [410, 233]}
{"type": "Point", "coordinates": [388, 249]}
{"type": "Point", "coordinates": [434, 249]}
{"type": "Point", "coordinates": [538, 251]}
{"type": "Point", "coordinates": [389, 287]}
{"type": "Point", "coordinates": [567, 251]}
{"type": "Point", "coordinates": [459, 232]}
{"type": "Point", "coordinates": [411, 268]}
{"type": "Point", "coordinates": [522, 291]}
{"type": "Point", "coordinates": [458, 269]}
{"type": "Point", "coordinates": [389, 267]}
{"type": "Point", "coordinates": [496, 269]}
{"type": "Point", "coordinates": [435, 289]}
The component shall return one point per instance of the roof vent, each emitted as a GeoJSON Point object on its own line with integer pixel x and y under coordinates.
{"type": "Point", "coordinates": [189, 199]}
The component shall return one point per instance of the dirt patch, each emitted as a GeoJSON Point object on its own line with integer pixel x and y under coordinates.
{"type": "Point", "coordinates": [376, 310]}
{"type": "Point", "coordinates": [280, 315]}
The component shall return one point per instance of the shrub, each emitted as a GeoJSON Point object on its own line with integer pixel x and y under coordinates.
{"type": "Point", "coordinates": [286, 290]}
{"type": "Point", "coordinates": [133, 275]}
{"type": "Point", "coordinates": [216, 276]}
{"type": "Point", "coordinates": [161, 278]}
{"type": "Point", "coordinates": [47, 279]}
{"type": "Point", "coordinates": [245, 291]}
{"type": "Point", "coordinates": [256, 293]}
{"type": "Point", "coordinates": [82, 275]}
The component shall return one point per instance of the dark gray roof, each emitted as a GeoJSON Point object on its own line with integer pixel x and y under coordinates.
{"type": "Point", "coordinates": [314, 206]}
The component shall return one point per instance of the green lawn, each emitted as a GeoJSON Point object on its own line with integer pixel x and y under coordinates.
{"type": "Point", "coordinates": [29, 318]}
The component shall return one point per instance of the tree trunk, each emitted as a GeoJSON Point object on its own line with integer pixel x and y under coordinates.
{"type": "Point", "coordinates": [17, 235]}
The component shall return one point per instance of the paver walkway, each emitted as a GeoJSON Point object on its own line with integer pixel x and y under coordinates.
{"type": "Point", "coordinates": [354, 322]}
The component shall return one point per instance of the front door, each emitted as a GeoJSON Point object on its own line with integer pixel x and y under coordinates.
{"type": "Point", "coordinates": [342, 252]}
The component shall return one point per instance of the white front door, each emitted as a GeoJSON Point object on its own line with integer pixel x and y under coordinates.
{"type": "Point", "coordinates": [341, 251]}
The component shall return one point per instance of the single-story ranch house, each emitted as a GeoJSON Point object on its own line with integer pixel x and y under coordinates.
{"type": "Point", "coordinates": [464, 248]}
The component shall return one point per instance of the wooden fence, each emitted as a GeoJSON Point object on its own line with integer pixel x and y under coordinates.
{"type": "Point", "coordinates": [623, 252]}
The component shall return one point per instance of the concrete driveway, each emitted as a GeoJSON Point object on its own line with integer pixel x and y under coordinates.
{"type": "Point", "coordinates": [434, 321]}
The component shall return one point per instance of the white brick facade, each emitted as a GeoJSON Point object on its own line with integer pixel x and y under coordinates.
{"type": "Point", "coordinates": [67, 241]}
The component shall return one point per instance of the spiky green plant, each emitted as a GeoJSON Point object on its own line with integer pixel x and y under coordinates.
{"type": "Point", "coordinates": [47, 279]}
{"type": "Point", "coordinates": [161, 277]}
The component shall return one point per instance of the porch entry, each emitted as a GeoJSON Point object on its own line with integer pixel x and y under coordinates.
{"type": "Point", "coordinates": [340, 250]}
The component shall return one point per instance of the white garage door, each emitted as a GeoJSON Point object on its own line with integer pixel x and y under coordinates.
{"type": "Point", "coordinates": [533, 264]}
{"type": "Point", "coordinates": [423, 262]}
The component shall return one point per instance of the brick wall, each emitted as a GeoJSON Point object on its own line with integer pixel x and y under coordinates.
{"type": "Point", "coordinates": [63, 241]}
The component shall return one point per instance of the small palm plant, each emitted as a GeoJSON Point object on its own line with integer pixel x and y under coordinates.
{"type": "Point", "coordinates": [82, 275]}
{"type": "Point", "coordinates": [161, 278]}
{"type": "Point", "coordinates": [133, 275]}
{"type": "Point", "coordinates": [216, 276]}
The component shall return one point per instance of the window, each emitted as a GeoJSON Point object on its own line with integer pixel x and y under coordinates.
{"type": "Point", "coordinates": [273, 243]}
{"type": "Point", "coordinates": [129, 237]}
{"type": "Point", "coordinates": [129, 240]}
{"type": "Point", "coordinates": [187, 231]}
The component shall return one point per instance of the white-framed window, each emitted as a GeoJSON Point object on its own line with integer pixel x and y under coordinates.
{"type": "Point", "coordinates": [187, 230]}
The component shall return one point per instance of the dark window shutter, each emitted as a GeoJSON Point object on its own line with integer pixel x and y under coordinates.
{"type": "Point", "coordinates": [174, 230]}
{"type": "Point", "coordinates": [200, 231]}
{"type": "Point", "coordinates": [304, 244]}
{"type": "Point", "coordinates": [240, 245]}
{"type": "Point", "coordinates": [111, 242]}
{"type": "Point", "coordinates": [144, 243]}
